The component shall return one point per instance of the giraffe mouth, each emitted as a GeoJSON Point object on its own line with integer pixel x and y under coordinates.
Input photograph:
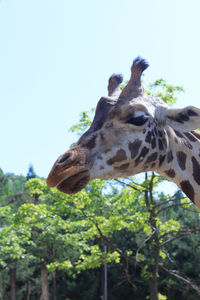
{"type": "Point", "coordinates": [75, 183]}
{"type": "Point", "coordinates": [69, 173]}
{"type": "Point", "coordinates": [70, 181]}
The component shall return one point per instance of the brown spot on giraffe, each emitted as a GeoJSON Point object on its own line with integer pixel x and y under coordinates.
{"type": "Point", "coordinates": [196, 170]}
{"type": "Point", "coordinates": [190, 136]}
{"type": "Point", "coordinates": [151, 137]}
{"type": "Point", "coordinates": [185, 141]}
{"type": "Point", "coordinates": [192, 113]}
{"type": "Point", "coordinates": [134, 147]}
{"type": "Point", "coordinates": [171, 173]}
{"type": "Point", "coordinates": [181, 158]}
{"type": "Point", "coordinates": [169, 157]}
{"type": "Point", "coordinates": [107, 150]}
{"type": "Point", "coordinates": [178, 133]}
{"type": "Point", "coordinates": [155, 131]}
{"type": "Point", "coordinates": [91, 143]}
{"type": "Point", "coordinates": [143, 153]}
{"type": "Point", "coordinates": [187, 144]}
{"type": "Point", "coordinates": [188, 189]}
{"type": "Point", "coordinates": [122, 167]}
{"type": "Point", "coordinates": [160, 133]}
{"type": "Point", "coordinates": [120, 156]}
{"type": "Point", "coordinates": [161, 159]}
{"type": "Point", "coordinates": [153, 143]}
{"type": "Point", "coordinates": [160, 145]}
{"type": "Point", "coordinates": [152, 157]}
{"type": "Point", "coordinates": [180, 118]}
{"type": "Point", "coordinates": [148, 137]}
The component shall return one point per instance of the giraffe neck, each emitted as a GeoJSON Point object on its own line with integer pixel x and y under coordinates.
{"type": "Point", "coordinates": [181, 163]}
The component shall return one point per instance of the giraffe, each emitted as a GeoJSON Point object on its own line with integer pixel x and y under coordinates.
{"type": "Point", "coordinates": [133, 132]}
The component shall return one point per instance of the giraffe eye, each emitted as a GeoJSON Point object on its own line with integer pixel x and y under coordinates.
{"type": "Point", "coordinates": [137, 121]}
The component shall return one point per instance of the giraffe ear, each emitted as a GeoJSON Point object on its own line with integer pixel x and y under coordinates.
{"type": "Point", "coordinates": [184, 119]}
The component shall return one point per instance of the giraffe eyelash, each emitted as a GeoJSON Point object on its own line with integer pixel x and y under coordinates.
{"type": "Point", "coordinates": [137, 121]}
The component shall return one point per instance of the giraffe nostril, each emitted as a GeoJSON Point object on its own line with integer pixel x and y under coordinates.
{"type": "Point", "coordinates": [63, 158]}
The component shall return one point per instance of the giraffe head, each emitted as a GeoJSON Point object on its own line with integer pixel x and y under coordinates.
{"type": "Point", "coordinates": [131, 133]}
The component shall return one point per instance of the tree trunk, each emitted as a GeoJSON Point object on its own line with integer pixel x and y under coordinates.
{"type": "Point", "coordinates": [3, 285]}
{"type": "Point", "coordinates": [44, 280]}
{"type": "Point", "coordinates": [153, 281]}
{"type": "Point", "coordinates": [153, 288]}
{"type": "Point", "coordinates": [13, 290]}
{"type": "Point", "coordinates": [54, 277]}
{"type": "Point", "coordinates": [28, 290]}
{"type": "Point", "coordinates": [54, 285]}
{"type": "Point", "coordinates": [104, 280]}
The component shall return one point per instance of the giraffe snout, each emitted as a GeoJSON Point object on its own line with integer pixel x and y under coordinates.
{"type": "Point", "coordinates": [69, 173]}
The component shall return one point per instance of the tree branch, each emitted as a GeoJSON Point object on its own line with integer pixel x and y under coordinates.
{"type": "Point", "coordinates": [170, 206]}
{"type": "Point", "coordinates": [129, 185]}
{"type": "Point", "coordinates": [173, 198]}
{"type": "Point", "coordinates": [185, 280]}
{"type": "Point", "coordinates": [175, 238]}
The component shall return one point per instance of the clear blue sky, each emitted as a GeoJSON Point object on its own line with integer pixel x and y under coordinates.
{"type": "Point", "coordinates": [56, 57]}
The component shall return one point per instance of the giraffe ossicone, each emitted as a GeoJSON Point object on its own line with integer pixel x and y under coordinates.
{"type": "Point", "coordinates": [133, 132]}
